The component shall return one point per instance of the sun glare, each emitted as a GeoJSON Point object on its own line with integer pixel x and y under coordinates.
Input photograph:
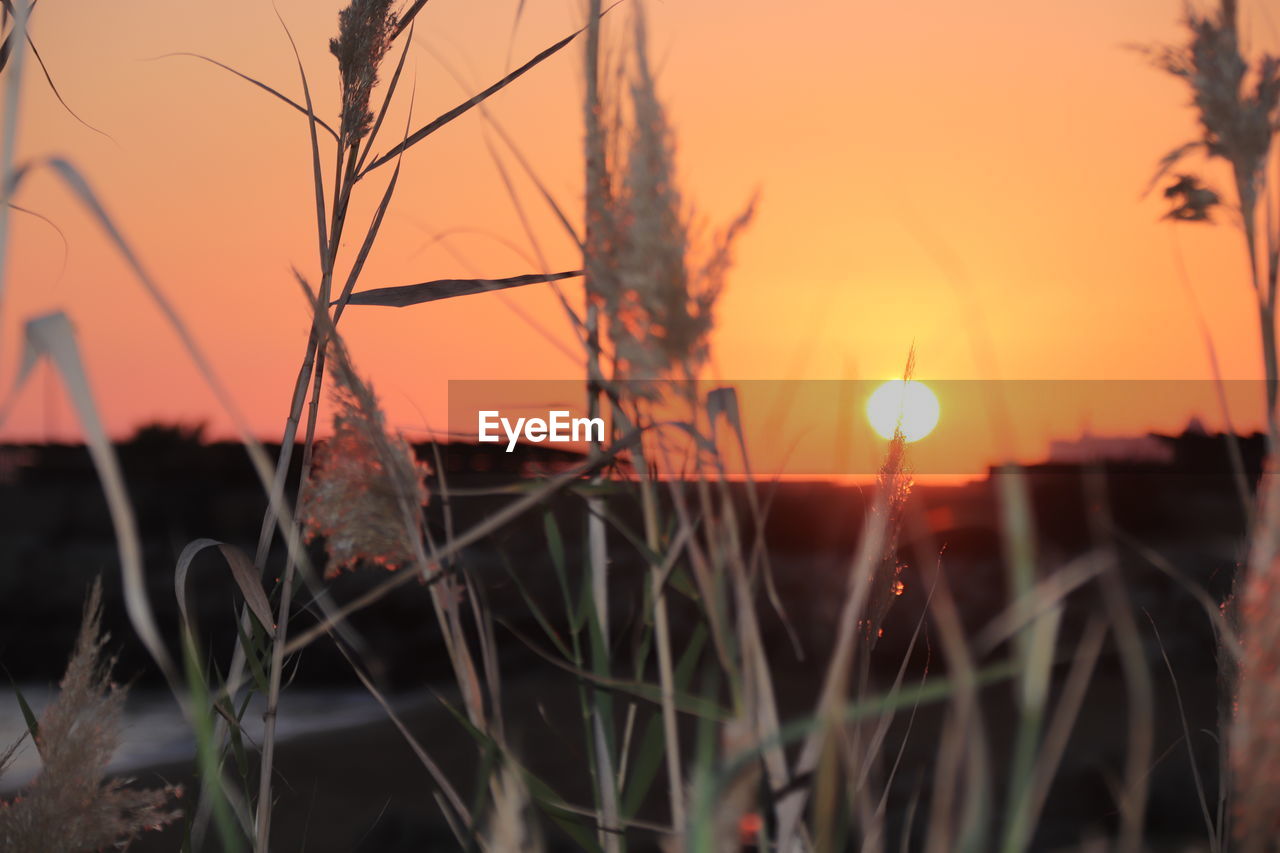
{"type": "Point", "coordinates": [903, 404]}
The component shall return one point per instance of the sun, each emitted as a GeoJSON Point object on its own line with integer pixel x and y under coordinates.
{"type": "Point", "coordinates": [905, 404]}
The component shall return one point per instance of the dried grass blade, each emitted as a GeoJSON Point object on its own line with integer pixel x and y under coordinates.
{"type": "Point", "coordinates": [66, 247]}
{"type": "Point", "coordinates": [317, 175]}
{"type": "Point", "coordinates": [1229, 640]}
{"type": "Point", "coordinates": [53, 88]}
{"type": "Point", "coordinates": [263, 86]}
{"type": "Point", "coordinates": [52, 336]}
{"type": "Point", "coordinates": [242, 570]}
{"type": "Point", "coordinates": [449, 792]}
{"type": "Point", "coordinates": [464, 107]}
{"type": "Point", "coordinates": [447, 288]}
{"type": "Point", "coordinates": [1047, 594]}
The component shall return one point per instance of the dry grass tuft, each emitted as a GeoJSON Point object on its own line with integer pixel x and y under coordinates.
{"type": "Point", "coordinates": [1235, 105]}
{"type": "Point", "coordinates": [366, 491]}
{"type": "Point", "coordinates": [365, 30]}
{"type": "Point", "coordinates": [659, 303]}
{"type": "Point", "coordinates": [70, 806]}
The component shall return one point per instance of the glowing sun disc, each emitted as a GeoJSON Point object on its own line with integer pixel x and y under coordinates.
{"type": "Point", "coordinates": [905, 404]}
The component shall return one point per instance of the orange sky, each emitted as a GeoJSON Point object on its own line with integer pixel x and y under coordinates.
{"type": "Point", "coordinates": [920, 164]}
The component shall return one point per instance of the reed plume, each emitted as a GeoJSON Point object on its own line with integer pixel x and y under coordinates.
{"type": "Point", "coordinates": [365, 30]}
{"type": "Point", "coordinates": [1237, 105]}
{"type": "Point", "coordinates": [71, 806]}
{"type": "Point", "coordinates": [366, 491]}
{"type": "Point", "coordinates": [659, 301]}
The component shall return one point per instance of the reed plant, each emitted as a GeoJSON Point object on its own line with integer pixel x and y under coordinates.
{"type": "Point", "coordinates": [1236, 101]}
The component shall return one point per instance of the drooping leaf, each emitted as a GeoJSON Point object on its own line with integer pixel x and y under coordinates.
{"type": "Point", "coordinates": [242, 570]}
{"type": "Point", "coordinates": [263, 86]}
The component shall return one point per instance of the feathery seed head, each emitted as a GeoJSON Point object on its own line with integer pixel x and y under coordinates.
{"type": "Point", "coordinates": [659, 303]}
{"type": "Point", "coordinates": [366, 491]}
{"type": "Point", "coordinates": [71, 805]}
{"type": "Point", "coordinates": [364, 34]}
{"type": "Point", "coordinates": [1237, 117]}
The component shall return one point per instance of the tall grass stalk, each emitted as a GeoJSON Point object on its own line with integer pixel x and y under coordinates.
{"type": "Point", "coordinates": [596, 240]}
{"type": "Point", "coordinates": [1236, 99]}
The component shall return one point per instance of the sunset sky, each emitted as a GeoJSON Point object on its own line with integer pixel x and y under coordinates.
{"type": "Point", "coordinates": [963, 177]}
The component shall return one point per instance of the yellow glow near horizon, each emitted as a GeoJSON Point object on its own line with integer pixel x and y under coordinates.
{"type": "Point", "coordinates": [903, 404]}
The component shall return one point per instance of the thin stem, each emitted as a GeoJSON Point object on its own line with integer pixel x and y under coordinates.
{"type": "Point", "coordinates": [341, 193]}
{"type": "Point", "coordinates": [597, 546]}
{"type": "Point", "coordinates": [662, 631]}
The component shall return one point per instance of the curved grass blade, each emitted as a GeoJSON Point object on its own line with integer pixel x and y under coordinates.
{"type": "Point", "coordinates": [53, 88]}
{"type": "Point", "coordinates": [53, 336]}
{"type": "Point", "coordinates": [28, 716]}
{"type": "Point", "coordinates": [66, 246]}
{"type": "Point", "coordinates": [262, 467]}
{"type": "Point", "coordinates": [263, 86]}
{"type": "Point", "coordinates": [437, 775]}
{"type": "Point", "coordinates": [242, 570]}
{"type": "Point", "coordinates": [447, 288]}
{"type": "Point", "coordinates": [312, 120]}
